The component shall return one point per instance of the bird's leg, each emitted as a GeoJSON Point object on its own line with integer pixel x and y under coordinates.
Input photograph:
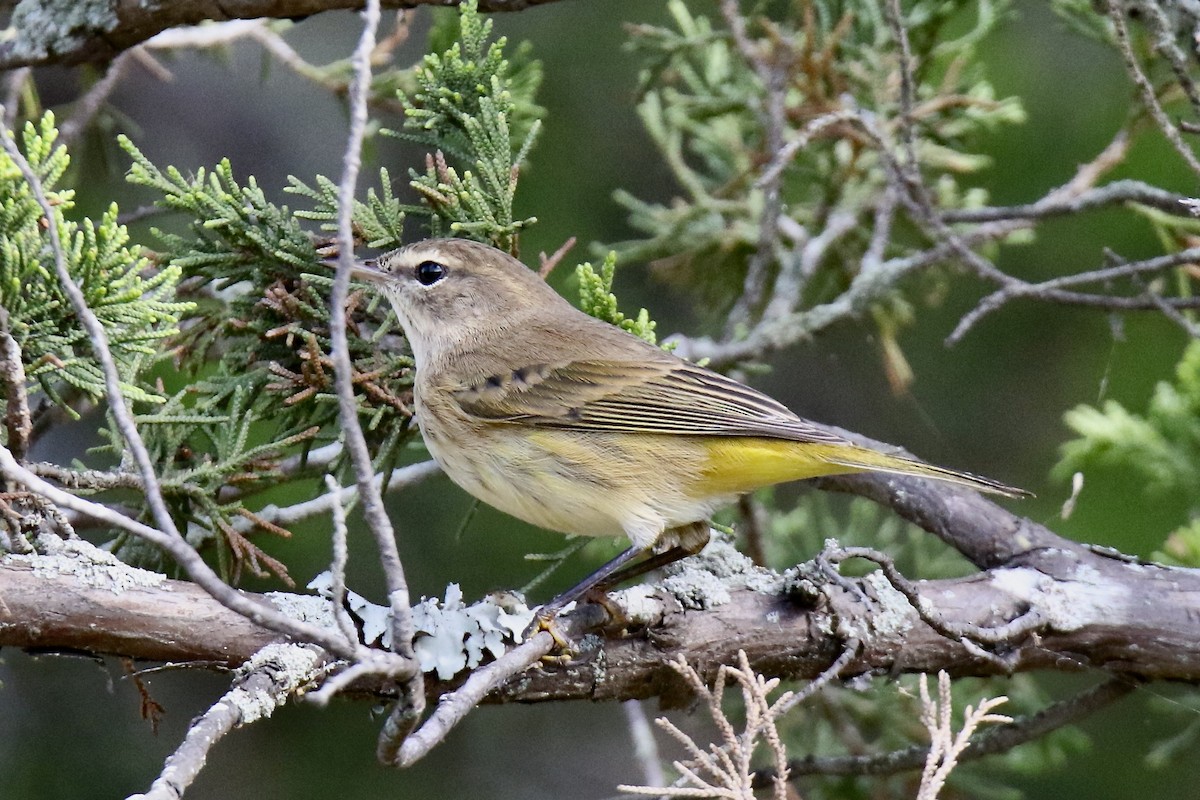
{"type": "Point", "coordinates": [546, 614]}
{"type": "Point", "coordinates": [689, 540]}
{"type": "Point", "coordinates": [652, 562]}
{"type": "Point", "coordinates": [681, 542]}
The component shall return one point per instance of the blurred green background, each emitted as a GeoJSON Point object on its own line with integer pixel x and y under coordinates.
{"type": "Point", "coordinates": [992, 404]}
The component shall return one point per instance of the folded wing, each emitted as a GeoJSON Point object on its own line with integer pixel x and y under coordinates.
{"type": "Point", "coordinates": [668, 397]}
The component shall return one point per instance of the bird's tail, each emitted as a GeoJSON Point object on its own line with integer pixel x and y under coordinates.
{"type": "Point", "coordinates": [857, 459]}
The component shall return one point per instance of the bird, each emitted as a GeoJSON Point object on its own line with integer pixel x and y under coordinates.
{"type": "Point", "coordinates": [572, 424]}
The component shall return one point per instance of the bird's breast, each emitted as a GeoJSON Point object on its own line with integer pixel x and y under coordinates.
{"type": "Point", "coordinates": [589, 483]}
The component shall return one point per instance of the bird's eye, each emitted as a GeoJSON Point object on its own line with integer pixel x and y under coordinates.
{"type": "Point", "coordinates": [430, 272]}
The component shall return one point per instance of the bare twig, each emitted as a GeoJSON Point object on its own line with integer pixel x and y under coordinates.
{"type": "Point", "coordinates": [87, 106]}
{"type": "Point", "coordinates": [827, 676]}
{"type": "Point", "coordinates": [1170, 312]}
{"type": "Point", "coordinates": [265, 683]}
{"type": "Point", "coordinates": [262, 31]}
{"type": "Point", "coordinates": [1000, 739]}
{"type": "Point", "coordinates": [1002, 634]}
{"type": "Point", "coordinates": [645, 749]}
{"type": "Point", "coordinates": [1053, 290]}
{"type": "Point", "coordinates": [1116, 13]}
{"type": "Point", "coordinates": [794, 278]}
{"type": "Point", "coordinates": [867, 287]}
{"type": "Point", "coordinates": [15, 84]}
{"type": "Point", "coordinates": [337, 568]}
{"type": "Point", "coordinates": [908, 136]}
{"type": "Point", "coordinates": [17, 421]}
{"type": "Point", "coordinates": [1117, 192]}
{"type": "Point", "coordinates": [283, 516]}
{"type": "Point", "coordinates": [409, 709]}
{"type": "Point", "coordinates": [753, 517]}
{"type": "Point", "coordinates": [549, 262]}
{"type": "Point", "coordinates": [452, 708]}
{"type": "Point", "coordinates": [772, 71]}
{"type": "Point", "coordinates": [289, 515]}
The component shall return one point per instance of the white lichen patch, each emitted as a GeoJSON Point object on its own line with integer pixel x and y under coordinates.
{"type": "Point", "coordinates": [697, 588]}
{"type": "Point", "coordinates": [303, 607]}
{"type": "Point", "coordinates": [892, 615]}
{"type": "Point", "coordinates": [640, 604]}
{"type": "Point", "coordinates": [452, 637]}
{"type": "Point", "coordinates": [87, 563]}
{"type": "Point", "coordinates": [376, 619]}
{"type": "Point", "coordinates": [705, 580]}
{"type": "Point", "coordinates": [1065, 604]}
{"type": "Point", "coordinates": [292, 667]}
{"type": "Point", "coordinates": [40, 28]}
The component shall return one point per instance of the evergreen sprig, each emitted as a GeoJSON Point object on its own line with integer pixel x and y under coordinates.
{"type": "Point", "coordinates": [475, 105]}
{"type": "Point", "coordinates": [377, 223]}
{"type": "Point", "coordinates": [239, 296]}
{"type": "Point", "coordinates": [597, 299]}
{"type": "Point", "coordinates": [257, 344]}
{"type": "Point", "coordinates": [137, 312]}
{"type": "Point", "coordinates": [705, 108]}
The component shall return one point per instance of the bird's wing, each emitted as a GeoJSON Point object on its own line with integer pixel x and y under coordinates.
{"type": "Point", "coordinates": [669, 397]}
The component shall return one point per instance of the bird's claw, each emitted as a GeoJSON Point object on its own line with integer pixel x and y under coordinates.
{"type": "Point", "coordinates": [545, 620]}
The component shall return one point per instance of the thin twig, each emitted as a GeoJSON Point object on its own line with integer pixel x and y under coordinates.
{"type": "Point", "coordinates": [1173, 314]}
{"type": "Point", "coordinates": [1052, 291]}
{"type": "Point", "coordinates": [549, 262]}
{"type": "Point", "coordinates": [1116, 13]}
{"type": "Point", "coordinates": [645, 748]}
{"type": "Point", "coordinates": [828, 675]}
{"type": "Point", "coordinates": [288, 515]}
{"type": "Point", "coordinates": [87, 106]}
{"type": "Point", "coordinates": [753, 522]}
{"type": "Point", "coordinates": [14, 84]}
{"type": "Point", "coordinates": [17, 421]}
{"type": "Point", "coordinates": [221, 34]}
{"type": "Point", "coordinates": [409, 709]}
{"type": "Point", "coordinates": [454, 707]}
{"type": "Point", "coordinates": [266, 682]}
{"type": "Point", "coordinates": [995, 740]}
{"type": "Point", "coordinates": [773, 77]}
{"type": "Point", "coordinates": [337, 567]}
{"type": "Point", "coordinates": [1122, 191]}
{"type": "Point", "coordinates": [964, 633]}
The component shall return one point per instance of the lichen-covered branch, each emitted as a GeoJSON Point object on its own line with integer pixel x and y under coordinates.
{"type": "Point", "coordinates": [1097, 611]}
{"type": "Point", "coordinates": [41, 34]}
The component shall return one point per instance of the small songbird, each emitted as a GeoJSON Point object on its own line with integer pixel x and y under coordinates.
{"type": "Point", "coordinates": [575, 425]}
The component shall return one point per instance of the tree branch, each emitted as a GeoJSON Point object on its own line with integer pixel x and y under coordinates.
{"type": "Point", "coordinates": [43, 35]}
{"type": "Point", "coordinates": [1096, 610]}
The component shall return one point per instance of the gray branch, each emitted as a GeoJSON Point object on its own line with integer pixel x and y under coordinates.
{"type": "Point", "coordinates": [43, 35]}
{"type": "Point", "coordinates": [1095, 610]}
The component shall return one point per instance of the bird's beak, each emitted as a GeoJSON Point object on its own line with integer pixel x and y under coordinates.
{"type": "Point", "coordinates": [368, 271]}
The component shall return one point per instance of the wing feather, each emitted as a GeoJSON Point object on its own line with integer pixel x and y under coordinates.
{"type": "Point", "coordinates": [667, 397]}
